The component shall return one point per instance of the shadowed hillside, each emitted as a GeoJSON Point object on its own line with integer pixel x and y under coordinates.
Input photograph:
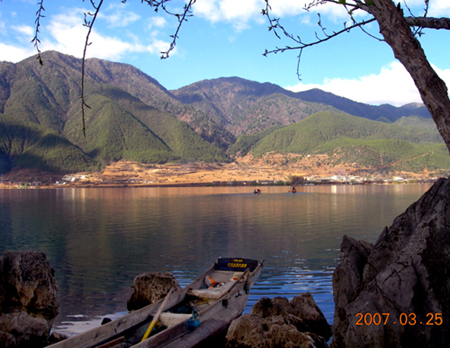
{"type": "Point", "coordinates": [48, 98]}
{"type": "Point", "coordinates": [133, 117]}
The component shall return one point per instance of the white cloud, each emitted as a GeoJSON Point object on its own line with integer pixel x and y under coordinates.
{"type": "Point", "coordinates": [159, 46]}
{"type": "Point", "coordinates": [392, 85]}
{"type": "Point", "coordinates": [26, 30]}
{"type": "Point", "coordinates": [15, 54]}
{"type": "Point", "coordinates": [237, 12]}
{"type": "Point", "coordinates": [284, 8]}
{"type": "Point", "coordinates": [240, 13]}
{"type": "Point", "coordinates": [439, 8]}
{"type": "Point", "coordinates": [65, 33]}
{"type": "Point", "coordinates": [158, 22]}
{"type": "Point", "coordinates": [120, 18]}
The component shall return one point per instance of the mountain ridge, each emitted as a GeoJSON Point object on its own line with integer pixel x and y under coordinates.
{"type": "Point", "coordinates": [134, 117]}
{"type": "Point", "coordinates": [197, 94]}
{"type": "Point", "coordinates": [49, 96]}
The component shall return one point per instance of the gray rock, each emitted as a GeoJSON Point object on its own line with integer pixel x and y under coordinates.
{"type": "Point", "coordinates": [405, 275]}
{"type": "Point", "coordinates": [28, 299]}
{"type": "Point", "coordinates": [151, 287]}
{"type": "Point", "coordinates": [280, 323]}
{"type": "Point", "coordinates": [56, 337]}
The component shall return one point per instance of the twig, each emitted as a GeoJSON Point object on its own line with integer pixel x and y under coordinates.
{"type": "Point", "coordinates": [181, 17]}
{"type": "Point", "coordinates": [35, 39]}
{"type": "Point", "coordinates": [88, 24]}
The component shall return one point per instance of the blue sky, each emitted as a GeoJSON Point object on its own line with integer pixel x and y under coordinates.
{"type": "Point", "coordinates": [227, 38]}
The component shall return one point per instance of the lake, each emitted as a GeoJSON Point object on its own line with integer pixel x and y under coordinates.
{"type": "Point", "coordinates": [98, 240]}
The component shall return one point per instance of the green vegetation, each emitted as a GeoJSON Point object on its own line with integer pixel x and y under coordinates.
{"type": "Point", "coordinates": [160, 131]}
{"type": "Point", "coordinates": [318, 129]}
{"type": "Point", "coordinates": [132, 117]}
{"type": "Point", "coordinates": [27, 145]}
{"type": "Point", "coordinates": [296, 180]}
{"type": "Point", "coordinates": [43, 129]}
{"type": "Point", "coordinates": [245, 143]}
{"type": "Point", "coordinates": [416, 123]}
{"type": "Point", "coordinates": [247, 107]}
{"type": "Point", "coordinates": [350, 139]}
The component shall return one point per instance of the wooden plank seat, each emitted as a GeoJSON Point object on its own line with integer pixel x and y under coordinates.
{"type": "Point", "coordinates": [170, 319]}
{"type": "Point", "coordinates": [222, 282]}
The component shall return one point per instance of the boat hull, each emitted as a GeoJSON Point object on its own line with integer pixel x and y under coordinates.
{"type": "Point", "coordinates": [213, 318]}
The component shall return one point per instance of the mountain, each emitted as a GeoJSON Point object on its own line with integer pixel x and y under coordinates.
{"type": "Point", "coordinates": [26, 145]}
{"type": "Point", "coordinates": [383, 112]}
{"type": "Point", "coordinates": [248, 107]}
{"type": "Point", "coordinates": [152, 93]}
{"type": "Point", "coordinates": [145, 134]}
{"type": "Point", "coordinates": [40, 109]}
{"type": "Point", "coordinates": [347, 139]}
{"type": "Point", "coordinates": [245, 143]}
{"type": "Point", "coordinates": [416, 122]}
{"type": "Point", "coordinates": [131, 116]}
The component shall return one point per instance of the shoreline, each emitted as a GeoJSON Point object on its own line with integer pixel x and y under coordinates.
{"type": "Point", "coordinates": [12, 186]}
{"type": "Point", "coordinates": [133, 174]}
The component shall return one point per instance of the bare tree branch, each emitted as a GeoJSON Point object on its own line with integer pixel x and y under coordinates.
{"type": "Point", "coordinates": [89, 20]}
{"type": "Point", "coordinates": [429, 22]}
{"type": "Point", "coordinates": [276, 27]}
{"type": "Point", "coordinates": [87, 23]}
{"type": "Point", "coordinates": [181, 17]}
{"type": "Point", "coordinates": [278, 30]}
{"type": "Point", "coordinates": [36, 40]}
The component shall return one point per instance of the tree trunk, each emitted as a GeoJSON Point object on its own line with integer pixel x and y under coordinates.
{"type": "Point", "coordinates": [409, 52]}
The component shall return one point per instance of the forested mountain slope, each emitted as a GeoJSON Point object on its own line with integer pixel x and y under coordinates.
{"type": "Point", "coordinates": [348, 139]}
{"type": "Point", "coordinates": [248, 107]}
{"type": "Point", "coordinates": [36, 101]}
{"type": "Point", "coordinates": [133, 117]}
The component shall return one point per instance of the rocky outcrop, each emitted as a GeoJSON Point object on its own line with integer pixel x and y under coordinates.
{"type": "Point", "coordinates": [396, 293]}
{"type": "Point", "coordinates": [280, 323]}
{"type": "Point", "coordinates": [151, 287]}
{"type": "Point", "coordinates": [28, 299]}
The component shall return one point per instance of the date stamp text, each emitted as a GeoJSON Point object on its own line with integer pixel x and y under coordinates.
{"type": "Point", "coordinates": [404, 319]}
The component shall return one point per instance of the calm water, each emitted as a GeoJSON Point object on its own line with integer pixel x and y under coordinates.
{"type": "Point", "coordinates": [98, 240]}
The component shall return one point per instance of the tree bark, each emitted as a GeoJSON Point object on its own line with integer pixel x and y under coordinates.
{"type": "Point", "coordinates": [407, 49]}
{"type": "Point", "coordinates": [428, 22]}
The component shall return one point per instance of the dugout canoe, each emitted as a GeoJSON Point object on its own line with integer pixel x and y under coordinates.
{"type": "Point", "coordinates": [203, 309]}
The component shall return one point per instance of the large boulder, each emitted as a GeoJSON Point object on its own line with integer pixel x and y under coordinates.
{"type": "Point", "coordinates": [28, 299]}
{"type": "Point", "coordinates": [396, 293]}
{"type": "Point", "coordinates": [151, 287]}
{"type": "Point", "coordinates": [280, 323]}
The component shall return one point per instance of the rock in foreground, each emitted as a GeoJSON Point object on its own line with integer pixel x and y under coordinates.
{"type": "Point", "coordinates": [280, 323]}
{"type": "Point", "coordinates": [404, 280]}
{"type": "Point", "coordinates": [28, 299]}
{"type": "Point", "coordinates": [151, 287]}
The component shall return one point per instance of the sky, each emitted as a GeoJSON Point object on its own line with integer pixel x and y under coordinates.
{"type": "Point", "coordinates": [227, 38]}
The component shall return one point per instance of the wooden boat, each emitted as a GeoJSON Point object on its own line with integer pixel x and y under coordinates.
{"type": "Point", "coordinates": [203, 309]}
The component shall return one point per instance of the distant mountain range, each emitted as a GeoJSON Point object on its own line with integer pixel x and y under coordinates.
{"type": "Point", "coordinates": [133, 117]}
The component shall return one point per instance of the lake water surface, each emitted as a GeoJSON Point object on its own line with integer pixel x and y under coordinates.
{"type": "Point", "coordinates": [98, 240]}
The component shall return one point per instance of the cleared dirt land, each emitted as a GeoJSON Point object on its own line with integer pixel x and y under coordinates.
{"type": "Point", "coordinates": [246, 169]}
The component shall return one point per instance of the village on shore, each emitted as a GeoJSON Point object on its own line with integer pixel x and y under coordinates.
{"type": "Point", "coordinates": [133, 174]}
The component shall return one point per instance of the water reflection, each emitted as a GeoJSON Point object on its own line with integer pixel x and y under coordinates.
{"type": "Point", "coordinates": [98, 240]}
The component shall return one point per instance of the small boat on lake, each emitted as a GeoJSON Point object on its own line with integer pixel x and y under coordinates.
{"type": "Point", "coordinates": [257, 191]}
{"type": "Point", "coordinates": [203, 309]}
{"type": "Point", "coordinates": [294, 190]}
